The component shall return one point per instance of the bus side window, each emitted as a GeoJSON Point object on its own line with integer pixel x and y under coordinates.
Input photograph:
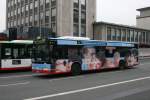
{"type": "Point", "coordinates": [74, 53]}
{"type": "Point", "coordinates": [7, 53]}
{"type": "Point", "coordinates": [60, 53]}
{"type": "Point", "coordinates": [21, 53]}
{"type": "Point", "coordinates": [109, 53]}
{"type": "Point", "coordinates": [65, 52]}
{"type": "Point", "coordinates": [122, 52]}
{"type": "Point", "coordinates": [15, 53]}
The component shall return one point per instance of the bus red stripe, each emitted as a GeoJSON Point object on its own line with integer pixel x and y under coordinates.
{"type": "Point", "coordinates": [16, 68]}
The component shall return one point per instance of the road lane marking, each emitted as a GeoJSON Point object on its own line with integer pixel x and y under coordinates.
{"type": "Point", "coordinates": [15, 84]}
{"type": "Point", "coordinates": [17, 76]}
{"type": "Point", "coordinates": [87, 89]}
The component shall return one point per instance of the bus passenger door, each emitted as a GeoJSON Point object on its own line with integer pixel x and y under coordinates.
{"type": "Point", "coordinates": [112, 57]}
{"type": "Point", "coordinates": [74, 54]}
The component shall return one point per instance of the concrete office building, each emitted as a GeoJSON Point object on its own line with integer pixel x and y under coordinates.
{"type": "Point", "coordinates": [143, 20]}
{"type": "Point", "coordinates": [64, 17]}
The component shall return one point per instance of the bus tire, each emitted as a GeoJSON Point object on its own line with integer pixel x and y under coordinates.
{"type": "Point", "coordinates": [122, 65]}
{"type": "Point", "coordinates": [76, 69]}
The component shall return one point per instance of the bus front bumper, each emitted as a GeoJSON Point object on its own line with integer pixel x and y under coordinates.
{"type": "Point", "coordinates": [41, 68]}
{"type": "Point", "coordinates": [45, 69]}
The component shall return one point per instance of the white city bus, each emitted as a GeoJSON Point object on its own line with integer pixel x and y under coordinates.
{"type": "Point", "coordinates": [15, 55]}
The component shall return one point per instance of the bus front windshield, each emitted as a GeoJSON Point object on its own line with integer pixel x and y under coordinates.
{"type": "Point", "coordinates": [42, 53]}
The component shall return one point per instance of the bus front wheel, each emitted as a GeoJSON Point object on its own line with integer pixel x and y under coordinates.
{"type": "Point", "coordinates": [76, 69]}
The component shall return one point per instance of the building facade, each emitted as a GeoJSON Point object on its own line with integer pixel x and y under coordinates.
{"type": "Point", "coordinates": [143, 20]}
{"type": "Point", "coordinates": [64, 17]}
{"type": "Point", "coordinates": [116, 32]}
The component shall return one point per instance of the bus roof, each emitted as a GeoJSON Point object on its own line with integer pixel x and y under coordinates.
{"type": "Point", "coordinates": [73, 42]}
{"type": "Point", "coordinates": [73, 38]}
{"type": "Point", "coordinates": [120, 44]}
{"type": "Point", "coordinates": [22, 41]}
{"type": "Point", "coordinates": [18, 42]}
{"type": "Point", "coordinates": [4, 42]}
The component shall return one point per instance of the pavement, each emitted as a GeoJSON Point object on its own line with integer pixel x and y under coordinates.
{"type": "Point", "coordinates": [130, 84]}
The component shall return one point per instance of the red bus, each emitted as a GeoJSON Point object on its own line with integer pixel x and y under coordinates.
{"type": "Point", "coordinates": [15, 55]}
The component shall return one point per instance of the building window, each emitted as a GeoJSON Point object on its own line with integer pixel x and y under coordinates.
{"type": "Point", "coordinates": [79, 8]}
{"type": "Point", "coordinates": [76, 16]}
{"type": "Point", "coordinates": [47, 4]}
{"type": "Point", "coordinates": [118, 35]}
{"type": "Point", "coordinates": [114, 33]}
{"type": "Point", "coordinates": [47, 1]}
{"type": "Point", "coordinates": [22, 21]}
{"type": "Point", "coordinates": [22, 2]}
{"type": "Point", "coordinates": [53, 3]}
{"type": "Point", "coordinates": [36, 17]}
{"type": "Point", "coordinates": [26, 1]}
{"type": "Point", "coordinates": [12, 2]}
{"type": "Point", "coordinates": [41, 18]}
{"type": "Point", "coordinates": [53, 16]}
{"type": "Point", "coordinates": [83, 4]}
{"type": "Point", "coordinates": [108, 33]}
{"type": "Point", "coordinates": [27, 19]}
{"type": "Point", "coordinates": [15, 23]}
{"type": "Point", "coordinates": [140, 36]}
{"type": "Point", "coordinates": [8, 3]}
{"type": "Point", "coordinates": [31, 5]}
{"type": "Point", "coordinates": [18, 22]}
{"type": "Point", "coordinates": [83, 31]}
{"type": "Point", "coordinates": [54, 12]}
{"type": "Point", "coordinates": [76, 30]}
{"type": "Point", "coordinates": [22, 9]}
{"type": "Point", "coordinates": [76, 4]}
{"type": "Point", "coordinates": [18, 3]}
{"type": "Point", "coordinates": [30, 21]}
{"type": "Point", "coordinates": [83, 18]}
{"type": "Point", "coordinates": [11, 24]}
{"type": "Point", "coordinates": [147, 38]}
{"type": "Point", "coordinates": [35, 3]}
{"type": "Point", "coordinates": [47, 15]}
{"type": "Point", "coordinates": [132, 35]}
{"type": "Point", "coordinates": [124, 34]}
{"type": "Point", "coordinates": [18, 11]}
{"type": "Point", "coordinates": [54, 27]}
{"type": "Point", "coordinates": [136, 36]}
{"type": "Point", "coordinates": [41, 5]}
{"type": "Point", "coordinates": [143, 37]}
{"type": "Point", "coordinates": [128, 35]}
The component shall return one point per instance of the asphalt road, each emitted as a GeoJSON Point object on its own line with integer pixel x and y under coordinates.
{"type": "Point", "coordinates": [131, 84]}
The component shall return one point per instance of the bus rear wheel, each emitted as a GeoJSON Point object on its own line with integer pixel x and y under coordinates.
{"type": "Point", "coordinates": [76, 69]}
{"type": "Point", "coordinates": [122, 65]}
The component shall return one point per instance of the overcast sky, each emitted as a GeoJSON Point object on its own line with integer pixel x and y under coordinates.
{"type": "Point", "coordinates": [120, 11]}
{"type": "Point", "coordinates": [114, 11]}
